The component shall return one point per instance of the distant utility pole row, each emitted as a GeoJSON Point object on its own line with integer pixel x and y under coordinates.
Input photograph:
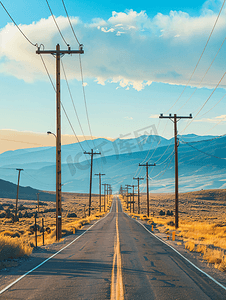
{"type": "Point", "coordinates": [91, 175]}
{"type": "Point", "coordinates": [147, 165]}
{"type": "Point", "coordinates": [174, 118]}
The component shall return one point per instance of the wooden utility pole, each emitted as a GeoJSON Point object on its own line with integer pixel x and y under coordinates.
{"type": "Point", "coordinates": [17, 194]}
{"type": "Point", "coordinates": [58, 53]}
{"type": "Point", "coordinates": [133, 197]}
{"type": "Point", "coordinates": [107, 192]}
{"type": "Point", "coordinates": [91, 176]}
{"type": "Point", "coordinates": [100, 186]}
{"type": "Point", "coordinates": [175, 119]}
{"type": "Point", "coordinates": [38, 201]}
{"type": "Point", "coordinates": [127, 188]}
{"type": "Point", "coordinates": [104, 184]}
{"type": "Point", "coordinates": [147, 165]}
{"type": "Point", "coordinates": [138, 192]}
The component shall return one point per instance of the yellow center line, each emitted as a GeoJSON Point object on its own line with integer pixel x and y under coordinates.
{"type": "Point", "coordinates": [116, 277]}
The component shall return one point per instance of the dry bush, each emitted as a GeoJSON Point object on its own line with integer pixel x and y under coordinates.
{"type": "Point", "coordinates": [13, 248]}
{"type": "Point", "coordinates": [190, 246]}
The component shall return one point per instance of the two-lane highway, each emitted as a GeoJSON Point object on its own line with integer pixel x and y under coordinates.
{"type": "Point", "coordinates": [116, 259]}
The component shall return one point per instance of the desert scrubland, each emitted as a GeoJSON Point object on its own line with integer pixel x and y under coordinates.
{"type": "Point", "coordinates": [202, 221]}
{"type": "Point", "coordinates": [17, 239]}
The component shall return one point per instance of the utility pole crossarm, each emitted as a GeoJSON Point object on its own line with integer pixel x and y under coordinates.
{"type": "Point", "coordinates": [170, 116]}
{"type": "Point", "coordinates": [60, 52]}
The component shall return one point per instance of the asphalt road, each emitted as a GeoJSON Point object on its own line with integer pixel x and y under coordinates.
{"type": "Point", "coordinates": [116, 259]}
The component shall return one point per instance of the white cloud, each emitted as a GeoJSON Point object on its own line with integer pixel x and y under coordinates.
{"type": "Point", "coordinates": [128, 118]}
{"type": "Point", "coordinates": [130, 48]}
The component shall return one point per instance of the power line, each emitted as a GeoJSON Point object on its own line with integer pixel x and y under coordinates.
{"type": "Point", "coordinates": [21, 142]}
{"type": "Point", "coordinates": [213, 106]}
{"type": "Point", "coordinates": [224, 119]}
{"type": "Point", "coordinates": [204, 103]}
{"type": "Point", "coordinates": [35, 45]}
{"type": "Point", "coordinates": [199, 57]}
{"type": "Point", "coordinates": [69, 90]}
{"type": "Point", "coordinates": [209, 140]}
{"type": "Point", "coordinates": [202, 151]}
{"type": "Point", "coordinates": [48, 73]}
{"type": "Point", "coordinates": [165, 159]}
{"type": "Point", "coordinates": [84, 96]}
{"type": "Point", "coordinates": [163, 171]}
{"type": "Point", "coordinates": [70, 22]}
{"type": "Point", "coordinates": [62, 104]}
{"type": "Point", "coordinates": [87, 115]}
{"type": "Point", "coordinates": [56, 23]}
{"type": "Point", "coordinates": [203, 77]}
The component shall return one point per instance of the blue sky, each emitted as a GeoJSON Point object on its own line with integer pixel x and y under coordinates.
{"type": "Point", "coordinates": [138, 58]}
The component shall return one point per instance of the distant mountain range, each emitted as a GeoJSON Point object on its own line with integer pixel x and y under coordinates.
{"type": "Point", "coordinates": [198, 169]}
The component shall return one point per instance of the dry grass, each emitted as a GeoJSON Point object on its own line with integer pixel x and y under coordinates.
{"type": "Point", "coordinates": [18, 239]}
{"type": "Point", "coordinates": [202, 226]}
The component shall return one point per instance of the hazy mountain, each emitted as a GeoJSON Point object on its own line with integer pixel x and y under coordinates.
{"type": "Point", "coordinates": [196, 169]}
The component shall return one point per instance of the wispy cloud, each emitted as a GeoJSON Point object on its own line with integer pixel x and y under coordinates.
{"type": "Point", "coordinates": [129, 48]}
{"type": "Point", "coordinates": [154, 116]}
{"type": "Point", "coordinates": [213, 120]}
{"type": "Point", "coordinates": [128, 118]}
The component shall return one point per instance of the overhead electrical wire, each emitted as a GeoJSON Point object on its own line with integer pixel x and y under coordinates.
{"type": "Point", "coordinates": [163, 171]}
{"type": "Point", "coordinates": [84, 96]}
{"type": "Point", "coordinates": [62, 105]}
{"type": "Point", "coordinates": [70, 23]}
{"type": "Point", "coordinates": [199, 57]}
{"type": "Point", "coordinates": [203, 76]}
{"type": "Point", "coordinates": [204, 104]}
{"type": "Point", "coordinates": [82, 78]}
{"type": "Point", "coordinates": [56, 24]}
{"type": "Point", "coordinates": [214, 156]}
{"type": "Point", "coordinates": [69, 90]}
{"type": "Point", "coordinates": [21, 142]}
{"type": "Point", "coordinates": [213, 106]}
{"type": "Point", "coordinates": [86, 108]}
{"type": "Point", "coordinates": [35, 45]}
{"type": "Point", "coordinates": [224, 119]}
{"type": "Point", "coordinates": [136, 175]}
{"type": "Point", "coordinates": [81, 71]}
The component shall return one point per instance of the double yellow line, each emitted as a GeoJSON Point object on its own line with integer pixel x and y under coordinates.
{"type": "Point", "coordinates": [116, 276]}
